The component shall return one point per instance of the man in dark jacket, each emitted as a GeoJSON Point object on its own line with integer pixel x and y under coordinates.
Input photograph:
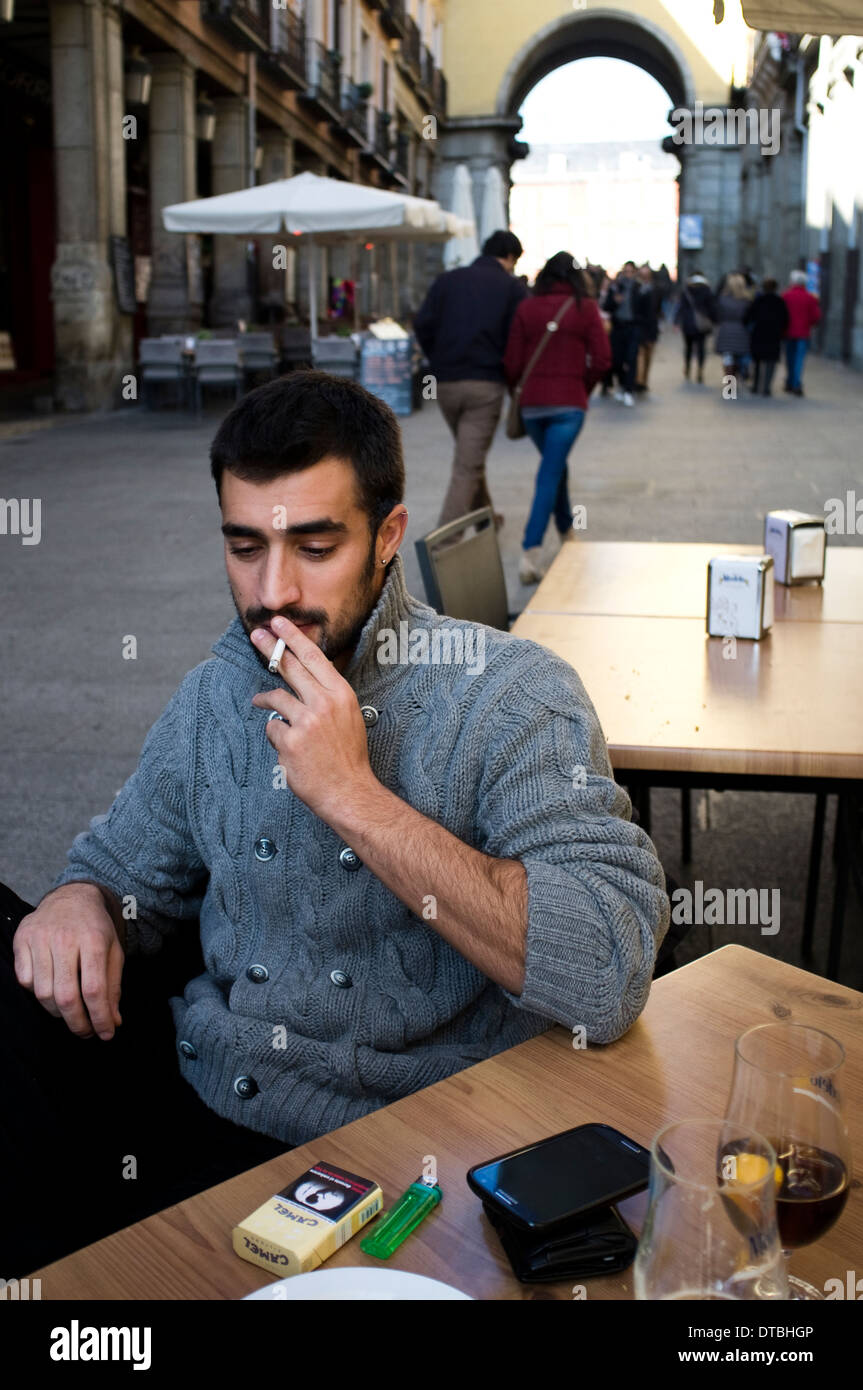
{"type": "Point", "coordinates": [462, 327]}
{"type": "Point", "coordinates": [767, 317]}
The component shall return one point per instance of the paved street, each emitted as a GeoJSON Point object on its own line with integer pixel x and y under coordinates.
{"type": "Point", "coordinates": [130, 547]}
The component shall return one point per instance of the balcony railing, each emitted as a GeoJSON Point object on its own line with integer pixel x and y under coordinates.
{"type": "Point", "coordinates": [323, 78]}
{"type": "Point", "coordinates": [438, 92]}
{"type": "Point", "coordinates": [393, 17]}
{"type": "Point", "coordinates": [355, 111]}
{"type": "Point", "coordinates": [412, 47]}
{"type": "Point", "coordinates": [286, 59]}
{"type": "Point", "coordinates": [383, 138]}
{"type": "Point", "coordinates": [401, 154]}
{"type": "Point", "coordinates": [246, 23]}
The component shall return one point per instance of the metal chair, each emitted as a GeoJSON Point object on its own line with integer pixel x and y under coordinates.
{"type": "Point", "coordinates": [217, 363]}
{"type": "Point", "coordinates": [463, 574]}
{"type": "Point", "coordinates": [158, 361]}
{"type": "Point", "coordinates": [338, 356]}
{"type": "Point", "coordinates": [258, 354]}
{"type": "Point", "coordinates": [296, 347]}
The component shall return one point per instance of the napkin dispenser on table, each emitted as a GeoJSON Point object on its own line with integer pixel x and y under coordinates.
{"type": "Point", "coordinates": [740, 596]}
{"type": "Point", "coordinates": [798, 542]}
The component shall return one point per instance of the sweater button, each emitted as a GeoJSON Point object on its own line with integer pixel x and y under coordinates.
{"type": "Point", "coordinates": [258, 974]}
{"type": "Point", "coordinates": [341, 978]}
{"type": "Point", "coordinates": [370, 715]}
{"type": "Point", "coordinates": [349, 860]}
{"type": "Point", "coordinates": [188, 1050]}
{"type": "Point", "coordinates": [264, 848]}
{"type": "Point", "coordinates": [246, 1087]}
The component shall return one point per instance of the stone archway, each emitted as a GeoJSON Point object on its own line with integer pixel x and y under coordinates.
{"type": "Point", "coordinates": [710, 175]}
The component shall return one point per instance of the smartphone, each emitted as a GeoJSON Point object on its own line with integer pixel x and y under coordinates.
{"type": "Point", "coordinates": [562, 1177]}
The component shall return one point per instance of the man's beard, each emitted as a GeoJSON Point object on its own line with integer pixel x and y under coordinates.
{"type": "Point", "coordinates": [339, 634]}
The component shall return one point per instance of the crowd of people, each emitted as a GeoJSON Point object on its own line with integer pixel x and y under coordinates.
{"type": "Point", "coordinates": [484, 333]}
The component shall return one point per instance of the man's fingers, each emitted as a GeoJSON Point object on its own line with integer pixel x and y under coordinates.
{"type": "Point", "coordinates": [67, 990]}
{"type": "Point", "coordinates": [95, 985]}
{"type": "Point", "coordinates": [308, 653]}
{"type": "Point", "coordinates": [43, 977]}
{"type": "Point", "coordinates": [116, 956]}
{"type": "Point", "coordinates": [23, 961]}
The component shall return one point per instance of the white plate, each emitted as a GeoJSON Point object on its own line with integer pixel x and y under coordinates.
{"type": "Point", "coordinates": [357, 1284]}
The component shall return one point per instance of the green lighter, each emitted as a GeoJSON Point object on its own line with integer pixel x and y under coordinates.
{"type": "Point", "coordinates": [395, 1226]}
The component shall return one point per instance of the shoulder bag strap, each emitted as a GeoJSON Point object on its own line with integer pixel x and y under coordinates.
{"type": "Point", "coordinates": [540, 347]}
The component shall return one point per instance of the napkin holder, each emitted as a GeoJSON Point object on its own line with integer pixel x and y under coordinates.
{"type": "Point", "coordinates": [740, 596]}
{"type": "Point", "coordinates": [798, 543]}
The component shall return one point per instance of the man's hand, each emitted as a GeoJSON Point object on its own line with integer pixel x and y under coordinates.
{"type": "Point", "coordinates": [68, 952]}
{"type": "Point", "coordinates": [322, 743]}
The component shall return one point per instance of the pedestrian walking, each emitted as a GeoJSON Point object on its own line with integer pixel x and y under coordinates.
{"type": "Point", "coordinates": [462, 327]}
{"type": "Point", "coordinates": [647, 306]}
{"type": "Point", "coordinates": [573, 357]}
{"type": "Point", "coordinates": [620, 303]}
{"type": "Point", "coordinates": [804, 312]}
{"type": "Point", "coordinates": [767, 320]}
{"type": "Point", "coordinates": [732, 335]}
{"type": "Point", "coordinates": [695, 316]}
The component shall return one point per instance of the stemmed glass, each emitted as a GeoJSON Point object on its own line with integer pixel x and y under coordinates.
{"type": "Point", "coordinates": [787, 1085]}
{"type": "Point", "coordinates": [710, 1230]}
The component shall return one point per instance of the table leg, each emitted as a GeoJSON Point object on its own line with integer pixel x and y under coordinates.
{"type": "Point", "coordinates": [840, 891]}
{"type": "Point", "coordinates": [814, 871]}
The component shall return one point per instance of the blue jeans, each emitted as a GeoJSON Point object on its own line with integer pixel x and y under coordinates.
{"type": "Point", "coordinates": [554, 436]}
{"type": "Point", "coordinates": [795, 353]}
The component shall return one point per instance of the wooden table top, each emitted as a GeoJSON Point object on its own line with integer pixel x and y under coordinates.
{"type": "Point", "coordinates": [669, 580]}
{"type": "Point", "coordinates": [669, 699]}
{"type": "Point", "coordinates": [638, 1084]}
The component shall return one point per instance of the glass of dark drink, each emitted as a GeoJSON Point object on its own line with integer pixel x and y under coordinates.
{"type": "Point", "coordinates": [787, 1084]}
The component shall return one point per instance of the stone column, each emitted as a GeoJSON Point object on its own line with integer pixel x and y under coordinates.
{"type": "Point", "coordinates": [172, 180]}
{"type": "Point", "coordinates": [93, 339]}
{"type": "Point", "coordinates": [276, 287]}
{"type": "Point", "coordinates": [231, 298]}
{"type": "Point", "coordinates": [710, 185]}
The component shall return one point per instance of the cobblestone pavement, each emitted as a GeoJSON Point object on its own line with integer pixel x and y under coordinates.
{"type": "Point", "coordinates": [130, 546]}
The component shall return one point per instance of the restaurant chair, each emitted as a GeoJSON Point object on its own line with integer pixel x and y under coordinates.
{"type": "Point", "coordinates": [258, 353]}
{"type": "Point", "coordinates": [296, 348]}
{"type": "Point", "coordinates": [338, 356]}
{"type": "Point", "coordinates": [462, 573]}
{"type": "Point", "coordinates": [217, 363]}
{"type": "Point", "coordinates": [160, 360]}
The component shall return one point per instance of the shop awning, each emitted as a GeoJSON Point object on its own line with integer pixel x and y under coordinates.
{"type": "Point", "coordinates": [805, 16]}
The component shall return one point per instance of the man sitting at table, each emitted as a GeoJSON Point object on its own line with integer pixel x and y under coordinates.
{"type": "Point", "coordinates": [400, 865]}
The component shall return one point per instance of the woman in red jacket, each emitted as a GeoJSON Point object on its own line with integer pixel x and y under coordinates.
{"type": "Point", "coordinates": [554, 399]}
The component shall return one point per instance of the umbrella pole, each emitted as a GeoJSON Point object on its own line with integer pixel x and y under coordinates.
{"type": "Point", "coordinates": [313, 289]}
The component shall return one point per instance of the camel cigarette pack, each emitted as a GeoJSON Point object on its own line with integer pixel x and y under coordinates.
{"type": "Point", "coordinates": [305, 1223]}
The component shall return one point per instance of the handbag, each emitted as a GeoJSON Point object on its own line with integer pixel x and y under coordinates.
{"type": "Point", "coordinates": [703, 322]}
{"type": "Point", "coordinates": [514, 424]}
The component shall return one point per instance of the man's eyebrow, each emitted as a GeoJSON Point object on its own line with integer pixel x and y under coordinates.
{"type": "Point", "coordinates": [232, 530]}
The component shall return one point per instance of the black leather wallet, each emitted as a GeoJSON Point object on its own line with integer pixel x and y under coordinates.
{"type": "Point", "coordinates": [600, 1242]}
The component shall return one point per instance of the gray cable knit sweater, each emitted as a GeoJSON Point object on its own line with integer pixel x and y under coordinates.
{"type": "Point", "coordinates": [325, 997]}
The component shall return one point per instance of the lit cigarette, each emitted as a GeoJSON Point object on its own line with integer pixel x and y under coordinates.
{"type": "Point", "coordinates": [278, 653]}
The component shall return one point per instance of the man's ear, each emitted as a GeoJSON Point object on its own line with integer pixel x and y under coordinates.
{"type": "Point", "coordinates": [391, 531]}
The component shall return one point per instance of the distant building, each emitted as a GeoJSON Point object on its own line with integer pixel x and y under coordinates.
{"type": "Point", "coordinates": [113, 109]}
{"type": "Point", "coordinates": [604, 202]}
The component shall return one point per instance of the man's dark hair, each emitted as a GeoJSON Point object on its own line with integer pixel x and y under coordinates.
{"type": "Point", "coordinates": [632, 263]}
{"type": "Point", "coordinates": [296, 421]}
{"type": "Point", "coordinates": [769, 286]}
{"type": "Point", "coordinates": [501, 245]}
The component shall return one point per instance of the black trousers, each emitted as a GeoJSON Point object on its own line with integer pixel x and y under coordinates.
{"type": "Point", "coordinates": [763, 376]}
{"type": "Point", "coordinates": [96, 1135]}
{"type": "Point", "coordinates": [693, 341]}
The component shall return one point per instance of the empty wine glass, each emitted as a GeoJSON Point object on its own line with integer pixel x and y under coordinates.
{"type": "Point", "coordinates": [786, 1084]}
{"type": "Point", "coordinates": [710, 1230]}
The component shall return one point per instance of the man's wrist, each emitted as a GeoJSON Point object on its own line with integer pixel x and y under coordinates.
{"type": "Point", "coordinates": [368, 803]}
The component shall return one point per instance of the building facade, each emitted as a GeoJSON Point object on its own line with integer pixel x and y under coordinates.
{"type": "Point", "coordinates": [114, 110]}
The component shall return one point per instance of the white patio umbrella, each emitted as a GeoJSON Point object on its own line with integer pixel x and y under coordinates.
{"type": "Point", "coordinates": [493, 216]}
{"type": "Point", "coordinates": [462, 249]}
{"type": "Point", "coordinates": [326, 211]}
